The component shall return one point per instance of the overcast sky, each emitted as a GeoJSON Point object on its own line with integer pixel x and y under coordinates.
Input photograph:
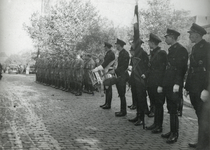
{"type": "Point", "coordinates": [13, 13]}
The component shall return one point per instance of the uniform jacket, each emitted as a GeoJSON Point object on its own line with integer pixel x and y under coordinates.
{"type": "Point", "coordinates": [109, 57]}
{"type": "Point", "coordinates": [123, 61]}
{"type": "Point", "coordinates": [157, 66]}
{"type": "Point", "coordinates": [139, 66]}
{"type": "Point", "coordinates": [176, 65]}
{"type": "Point", "coordinates": [197, 79]}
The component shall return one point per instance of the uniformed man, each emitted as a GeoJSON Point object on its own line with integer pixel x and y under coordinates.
{"type": "Point", "coordinates": [197, 79]}
{"type": "Point", "coordinates": [173, 81]}
{"type": "Point", "coordinates": [79, 74]}
{"type": "Point", "coordinates": [138, 74]}
{"type": "Point", "coordinates": [1, 68]}
{"type": "Point", "coordinates": [88, 66]}
{"type": "Point", "coordinates": [155, 73]}
{"type": "Point", "coordinates": [133, 105]}
{"type": "Point", "coordinates": [108, 61]}
{"type": "Point", "coordinates": [122, 76]}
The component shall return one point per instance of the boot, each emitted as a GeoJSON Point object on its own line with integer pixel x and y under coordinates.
{"type": "Point", "coordinates": [79, 90]}
{"type": "Point", "coordinates": [108, 99]}
{"type": "Point", "coordinates": [133, 107]}
{"type": "Point", "coordinates": [140, 120]}
{"type": "Point", "coordinates": [154, 125]}
{"type": "Point", "coordinates": [166, 135]}
{"type": "Point", "coordinates": [151, 112]}
{"type": "Point", "coordinates": [159, 119]}
{"type": "Point", "coordinates": [134, 119]}
{"type": "Point", "coordinates": [180, 107]}
{"type": "Point", "coordinates": [123, 110]}
{"type": "Point", "coordinates": [174, 123]}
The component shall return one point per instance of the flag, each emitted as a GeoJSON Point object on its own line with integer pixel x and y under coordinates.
{"type": "Point", "coordinates": [136, 24]}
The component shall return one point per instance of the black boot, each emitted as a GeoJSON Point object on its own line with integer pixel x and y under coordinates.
{"type": "Point", "coordinates": [123, 110]}
{"type": "Point", "coordinates": [159, 119]}
{"type": "Point", "coordinates": [105, 99]}
{"type": "Point", "coordinates": [154, 125]}
{"type": "Point", "coordinates": [180, 108]}
{"type": "Point", "coordinates": [134, 119]}
{"type": "Point", "coordinates": [152, 112]}
{"type": "Point", "coordinates": [166, 135]}
{"type": "Point", "coordinates": [108, 99]}
{"type": "Point", "coordinates": [140, 120]}
{"type": "Point", "coordinates": [174, 129]}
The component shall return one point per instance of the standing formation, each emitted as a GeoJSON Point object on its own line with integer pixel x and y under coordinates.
{"type": "Point", "coordinates": [159, 76]}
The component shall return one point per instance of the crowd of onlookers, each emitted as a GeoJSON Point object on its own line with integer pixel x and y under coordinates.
{"type": "Point", "coordinates": [17, 69]}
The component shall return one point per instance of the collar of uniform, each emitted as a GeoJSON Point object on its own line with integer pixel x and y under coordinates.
{"type": "Point", "coordinates": [122, 51]}
{"type": "Point", "coordinates": [173, 46]}
{"type": "Point", "coordinates": [200, 44]}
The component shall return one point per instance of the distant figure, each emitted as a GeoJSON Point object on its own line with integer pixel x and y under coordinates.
{"type": "Point", "coordinates": [1, 71]}
{"type": "Point", "coordinates": [27, 68]}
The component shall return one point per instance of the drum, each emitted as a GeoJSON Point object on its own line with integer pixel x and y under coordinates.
{"type": "Point", "coordinates": [110, 80]}
{"type": "Point", "coordinates": [95, 77]}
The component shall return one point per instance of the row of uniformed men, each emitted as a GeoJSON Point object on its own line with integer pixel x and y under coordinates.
{"type": "Point", "coordinates": [162, 77]}
{"type": "Point", "coordinates": [67, 73]}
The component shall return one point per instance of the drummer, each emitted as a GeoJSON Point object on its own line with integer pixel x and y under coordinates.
{"type": "Point", "coordinates": [108, 61]}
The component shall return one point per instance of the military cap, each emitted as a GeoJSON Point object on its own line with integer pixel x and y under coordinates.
{"type": "Point", "coordinates": [120, 42]}
{"type": "Point", "coordinates": [197, 29]}
{"type": "Point", "coordinates": [154, 38]}
{"type": "Point", "coordinates": [107, 45]}
{"type": "Point", "coordinates": [172, 32]}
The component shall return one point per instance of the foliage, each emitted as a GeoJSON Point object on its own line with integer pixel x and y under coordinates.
{"type": "Point", "coordinates": [69, 26]}
{"type": "Point", "coordinates": [161, 15]}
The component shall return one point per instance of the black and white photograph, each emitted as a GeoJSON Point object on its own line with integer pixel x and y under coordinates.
{"type": "Point", "coordinates": [104, 75]}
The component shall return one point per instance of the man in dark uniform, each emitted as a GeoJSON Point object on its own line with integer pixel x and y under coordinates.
{"type": "Point", "coordinates": [139, 69]}
{"type": "Point", "coordinates": [197, 79]}
{"type": "Point", "coordinates": [173, 81]}
{"type": "Point", "coordinates": [157, 66]}
{"type": "Point", "coordinates": [109, 58]}
{"type": "Point", "coordinates": [122, 76]}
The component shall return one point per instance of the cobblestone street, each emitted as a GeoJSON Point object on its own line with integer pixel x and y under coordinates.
{"type": "Point", "coordinates": [38, 117]}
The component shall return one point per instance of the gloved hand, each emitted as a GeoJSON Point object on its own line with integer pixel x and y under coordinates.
{"type": "Point", "coordinates": [143, 76]}
{"type": "Point", "coordinates": [186, 93]}
{"type": "Point", "coordinates": [160, 89]}
{"type": "Point", "coordinates": [204, 95]}
{"type": "Point", "coordinates": [129, 73]}
{"type": "Point", "coordinates": [129, 68]}
{"type": "Point", "coordinates": [176, 88]}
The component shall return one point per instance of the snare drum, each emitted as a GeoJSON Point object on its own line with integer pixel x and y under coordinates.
{"type": "Point", "coordinates": [95, 78]}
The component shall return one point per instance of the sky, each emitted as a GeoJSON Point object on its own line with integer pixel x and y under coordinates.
{"type": "Point", "coordinates": [13, 13]}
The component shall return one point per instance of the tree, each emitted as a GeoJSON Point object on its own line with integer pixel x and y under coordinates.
{"type": "Point", "coordinates": [69, 26]}
{"type": "Point", "coordinates": [161, 15]}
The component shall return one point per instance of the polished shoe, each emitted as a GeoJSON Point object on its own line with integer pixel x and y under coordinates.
{"type": "Point", "coordinates": [151, 114]}
{"type": "Point", "coordinates": [138, 122]}
{"type": "Point", "coordinates": [173, 138]}
{"type": "Point", "coordinates": [133, 107]}
{"type": "Point", "coordinates": [153, 126]}
{"type": "Point", "coordinates": [130, 106]}
{"type": "Point", "coordinates": [78, 94]}
{"type": "Point", "coordinates": [120, 114]}
{"type": "Point", "coordinates": [157, 130]}
{"type": "Point", "coordinates": [193, 145]}
{"type": "Point", "coordinates": [103, 105]}
{"type": "Point", "coordinates": [106, 107]}
{"type": "Point", "coordinates": [134, 119]}
{"type": "Point", "coordinates": [167, 135]}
